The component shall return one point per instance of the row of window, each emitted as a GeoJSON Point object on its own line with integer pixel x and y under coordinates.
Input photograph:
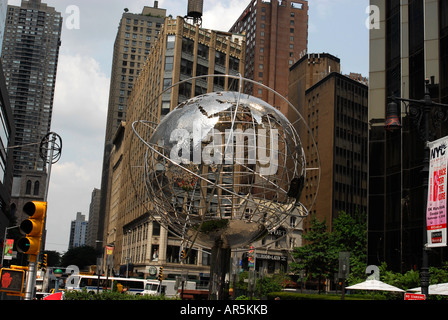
{"type": "Point", "coordinates": [142, 22]}
{"type": "Point", "coordinates": [137, 254]}
{"type": "Point", "coordinates": [29, 186]}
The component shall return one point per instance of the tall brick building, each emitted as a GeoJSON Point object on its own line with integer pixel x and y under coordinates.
{"type": "Point", "coordinates": [335, 107]}
{"type": "Point", "coordinates": [277, 37]}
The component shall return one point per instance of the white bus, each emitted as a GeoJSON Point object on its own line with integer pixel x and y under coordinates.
{"type": "Point", "coordinates": [168, 288]}
{"type": "Point", "coordinates": [94, 284]}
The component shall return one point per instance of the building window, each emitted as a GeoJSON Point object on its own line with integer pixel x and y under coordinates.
{"type": "Point", "coordinates": [172, 254]}
{"type": "Point", "coordinates": [170, 41]}
{"type": "Point", "coordinates": [220, 58]}
{"type": "Point", "coordinates": [185, 89]}
{"type": "Point", "coordinates": [167, 83]}
{"type": "Point", "coordinates": [28, 187]}
{"type": "Point", "coordinates": [155, 252]}
{"type": "Point", "coordinates": [186, 67]}
{"type": "Point", "coordinates": [169, 63]}
{"type": "Point", "coordinates": [187, 45]}
{"type": "Point", "coordinates": [36, 188]}
{"type": "Point", "coordinates": [155, 228]}
{"type": "Point", "coordinates": [206, 257]}
{"type": "Point", "coordinates": [202, 51]}
{"type": "Point", "coordinates": [296, 5]}
{"type": "Point", "coordinates": [166, 105]}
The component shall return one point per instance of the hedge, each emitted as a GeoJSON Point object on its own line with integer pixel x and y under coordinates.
{"type": "Point", "coordinates": [304, 296]}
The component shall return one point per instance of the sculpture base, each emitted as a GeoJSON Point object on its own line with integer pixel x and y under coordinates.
{"type": "Point", "coordinates": [220, 272]}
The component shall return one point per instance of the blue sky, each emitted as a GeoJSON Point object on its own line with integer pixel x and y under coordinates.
{"type": "Point", "coordinates": [82, 85]}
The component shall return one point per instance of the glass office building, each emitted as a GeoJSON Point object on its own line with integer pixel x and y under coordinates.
{"type": "Point", "coordinates": [409, 46]}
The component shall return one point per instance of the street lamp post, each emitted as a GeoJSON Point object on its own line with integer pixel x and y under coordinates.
{"type": "Point", "coordinates": [421, 109]}
{"type": "Point", "coordinates": [57, 273]}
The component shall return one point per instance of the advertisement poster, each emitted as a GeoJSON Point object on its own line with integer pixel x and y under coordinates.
{"type": "Point", "coordinates": [7, 254]}
{"type": "Point", "coordinates": [436, 208]}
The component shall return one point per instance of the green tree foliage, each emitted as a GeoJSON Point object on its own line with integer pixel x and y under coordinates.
{"type": "Point", "coordinates": [110, 295]}
{"type": "Point", "coordinates": [80, 257]}
{"type": "Point", "coordinates": [319, 257]}
{"type": "Point", "coordinates": [315, 258]}
{"type": "Point", "coordinates": [439, 275]}
{"type": "Point", "coordinates": [53, 258]}
{"type": "Point", "coordinates": [264, 285]}
{"type": "Point", "coordinates": [350, 234]}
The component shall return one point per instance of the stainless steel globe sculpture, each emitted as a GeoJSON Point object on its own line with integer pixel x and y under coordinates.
{"type": "Point", "coordinates": [223, 167]}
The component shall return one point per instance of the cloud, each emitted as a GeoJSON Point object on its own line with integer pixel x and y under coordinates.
{"type": "Point", "coordinates": [81, 95]}
{"type": "Point", "coordinates": [79, 117]}
{"type": "Point", "coordinates": [68, 193]}
{"type": "Point", "coordinates": [220, 15]}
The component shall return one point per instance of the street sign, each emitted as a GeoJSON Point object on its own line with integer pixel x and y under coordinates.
{"type": "Point", "coordinates": [414, 296]}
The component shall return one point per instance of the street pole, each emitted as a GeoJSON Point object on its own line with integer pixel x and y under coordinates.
{"type": "Point", "coordinates": [424, 274]}
{"type": "Point", "coordinates": [31, 279]}
{"type": "Point", "coordinates": [426, 104]}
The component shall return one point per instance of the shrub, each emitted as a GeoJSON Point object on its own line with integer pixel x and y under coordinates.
{"type": "Point", "coordinates": [109, 295]}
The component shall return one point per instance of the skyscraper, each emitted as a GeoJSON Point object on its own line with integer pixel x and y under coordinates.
{"type": "Point", "coordinates": [30, 57]}
{"type": "Point", "coordinates": [409, 45]}
{"type": "Point", "coordinates": [7, 130]}
{"type": "Point", "coordinates": [277, 37]}
{"type": "Point", "coordinates": [137, 32]}
{"type": "Point", "coordinates": [335, 109]}
{"type": "Point", "coordinates": [93, 218]}
{"type": "Point", "coordinates": [3, 9]}
{"type": "Point", "coordinates": [78, 231]}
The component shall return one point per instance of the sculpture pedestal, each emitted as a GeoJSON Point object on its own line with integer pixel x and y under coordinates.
{"type": "Point", "coordinates": [220, 272]}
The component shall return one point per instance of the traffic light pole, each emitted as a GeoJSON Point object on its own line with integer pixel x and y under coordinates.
{"type": "Point", "coordinates": [31, 279]}
{"type": "Point", "coordinates": [32, 270]}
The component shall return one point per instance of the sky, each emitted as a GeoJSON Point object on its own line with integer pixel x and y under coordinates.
{"type": "Point", "coordinates": [83, 78]}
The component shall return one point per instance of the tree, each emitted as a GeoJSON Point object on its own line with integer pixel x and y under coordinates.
{"type": "Point", "coordinates": [350, 234]}
{"type": "Point", "coordinates": [53, 258]}
{"type": "Point", "coordinates": [80, 257]}
{"type": "Point", "coordinates": [264, 284]}
{"type": "Point", "coordinates": [319, 257]}
{"type": "Point", "coordinates": [314, 257]}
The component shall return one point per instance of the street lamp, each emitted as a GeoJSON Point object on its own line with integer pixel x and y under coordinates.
{"type": "Point", "coordinates": [421, 109]}
{"type": "Point", "coordinates": [57, 274]}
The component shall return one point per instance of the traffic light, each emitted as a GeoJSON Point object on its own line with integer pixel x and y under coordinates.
{"type": "Point", "coordinates": [44, 262]}
{"type": "Point", "coordinates": [182, 255]}
{"type": "Point", "coordinates": [160, 276]}
{"type": "Point", "coordinates": [32, 227]}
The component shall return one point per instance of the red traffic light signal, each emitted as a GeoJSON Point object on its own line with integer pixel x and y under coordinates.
{"type": "Point", "coordinates": [32, 227]}
{"type": "Point", "coordinates": [12, 280]}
